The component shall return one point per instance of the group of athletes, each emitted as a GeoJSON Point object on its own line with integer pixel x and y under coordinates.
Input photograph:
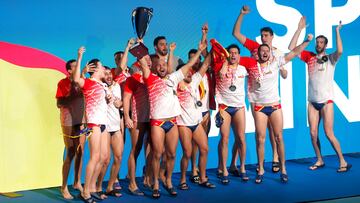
{"type": "Point", "coordinates": [161, 99]}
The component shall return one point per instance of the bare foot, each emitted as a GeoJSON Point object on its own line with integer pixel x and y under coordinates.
{"type": "Point", "coordinates": [66, 194]}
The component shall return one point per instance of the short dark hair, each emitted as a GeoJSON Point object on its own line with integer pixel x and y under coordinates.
{"type": "Point", "coordinates": [180, 66]}
{"type": "Point", "coordinates": [157, 39]}
{"type": "Point", "coordinates": [68, 64]}
{"type": "Point", "coordinates": [232, 46]}
{"type": "Point", "coordinates": [107, 68]}
{"type": "Point", "coordinates": [193, 51]}
{"type": "Point", "coordinates": [267, 29]}
{"type": "Point", "coordinates": [322, 36]}
{"type": "Point", "coordinates": [263, 45]}
{"type": "Point", "coordinates": [154, 57]}
{"type": "Point", "coordinates": [118, 52]}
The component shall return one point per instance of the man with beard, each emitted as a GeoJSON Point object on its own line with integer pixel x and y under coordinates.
{"type": "Point", "coordinates": [161, 49]}
{"type": "Point", "coordinates": [114, 137]}
{"type": "Point", "coordinates": [321, 69]}
{"type": "Point", "coordinates": [164, 107]}
{"type": "Point", "coordinates": [267, 105]}
{"type": "Point", "coordinates": [136, 98]}
{"type": "Point", "coordinates": [267, 36]}
{"type": "Point", "coordinates": [189, 124]}
{"type": "Point", "coordinates": [70, 101]}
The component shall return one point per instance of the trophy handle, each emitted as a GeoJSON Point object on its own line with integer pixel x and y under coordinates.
{"type": "Point", "coordinates": [132, 18]}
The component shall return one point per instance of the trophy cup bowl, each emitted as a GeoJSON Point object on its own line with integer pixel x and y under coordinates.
{"type": "Point", "coordinates": [140, 18]}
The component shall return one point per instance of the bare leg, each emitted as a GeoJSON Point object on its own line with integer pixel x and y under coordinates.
{"type": "Point", "coordinates": [200, 138]}
{"type": "Point", "coordinates": [238, 122]}
{"type": "Point", "coordinates": [171, 141]}
{"type": "Point", "coordinates": [314, 120]}
{"type": "Point", "coordinates": [102, 166]}
{"type": "Point", "coordinates": [273, 142]}
{"type": "Point", "coordinates": [157, 142]}
{"type": "Point", "coordinates": [327, 112]}
{"type": "Point", "coordinates": [94, 146]}
{"type": "Point", "coordinates": [70, 153]}
{"type": "Point", "coordinates": [186, 144]}
{"type": "Point", "coordinates": [137, 135]}
{"type": "Point", "coordinates": [276, 120]}
{"type": "Point", "coordinates": [224, 131]}
{"type": "Point", "coordinates": [78, 162]}
{"type": "Point", "coordinates": [260, 125]}
{"type": "Point", "coordinates": [117, 146]}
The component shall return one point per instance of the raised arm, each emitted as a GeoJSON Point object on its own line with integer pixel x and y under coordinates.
{"type": "Point", "coordinates": [205, 65]}
{"type": "Point", "coordinates": [77, 75]}
{"type": "Point", "coordinates": [294, 39]}
{"type": "Point", "coordinates": [170, 60]}
{"type": "Point", "coordinates": [297, 50]}
{"type": "Point", "coordinates": [339, 46]}
{"type": "Point", "coordinates": [237, 27]}
{"type": "Point", "coordinates": [193, 59]}
{"type": "Point", "coordinates": [204, 31]}
{"type": "Point", "coordinates": [124, 58]}
{"type": "Point", "coordinates": [144, 66]}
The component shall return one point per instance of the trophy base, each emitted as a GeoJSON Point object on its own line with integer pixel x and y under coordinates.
{"type": "Point", "coordinates": [139, 50]}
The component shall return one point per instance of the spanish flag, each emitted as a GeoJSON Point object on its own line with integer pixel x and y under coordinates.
{"type": "Point", "coordinates": [31, 144]}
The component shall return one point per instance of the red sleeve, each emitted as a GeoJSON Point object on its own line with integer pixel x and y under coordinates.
{"type": "Point", "coordinates": [113, 72]}
{"type": "Point", "coordinates": [150, 80]}
{"type": "Point", "coordinates": [306, 56]}
{"type": "Point", "coordinates": [248, 63]}
{"type": "Point", "coordinates": [251, 45]}
{"type": "Point", "coordinates": [63, 88]}
{"type": "Point", "coordinates": [87, 83]}
{"type": "Point", "coordinates": [130, 85]}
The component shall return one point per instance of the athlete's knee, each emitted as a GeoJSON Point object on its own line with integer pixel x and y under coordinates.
{"type": "Point", "coordinates": [329, 132]}
{"type": "Point", "coordinates": [204, 150]}
{"type": "Point", "coordinates": [95, 157]}
{"type": "Point", "coordinates": [170, 155]}
{"type": "Point", "coordinates": [224, 140]}
{"type": "Point", "coordinates": [104, 159]}
{"type": "Point", "coordinates": [186, 155]}
{"type": "Point", "coordinates": [314, 133]}
{"type": "Point", "coordinates": [70, 153]}
{"type": "Point", "coordinates": [261, 138]}
{"type": "Point", "coordinates": [157, 154]}
{"type": "Point", "coordinates": [278, 137]}
{"type": "Point", "coordinates": [242, 140]}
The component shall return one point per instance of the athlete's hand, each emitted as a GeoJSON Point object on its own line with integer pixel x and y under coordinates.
{"type": "Point", "coordinates": [172, 46]}
{"type": "Point", "coordinates": [109, 98]}
{"type": "Point", "coordinates": [81, 51]}
{"type": "Point", "coordinates": [130, 43]}
{"type": "Point", "coordinates": [339, 26]}
{"type": "Point", "coordinates": [89, 67]}
{"type": "Point", "coordinates": [245, 10]}
{"type": "Point", "coordinates": [128, 122]}
{"type": "Point", "coordinates": [117, 102]}
{"type": "Point", "coordinates": [205, 29]}
{"type": "Point", "coordinates": [310, 37]}
{"type": "Point", "coordinates": [223, 70]}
